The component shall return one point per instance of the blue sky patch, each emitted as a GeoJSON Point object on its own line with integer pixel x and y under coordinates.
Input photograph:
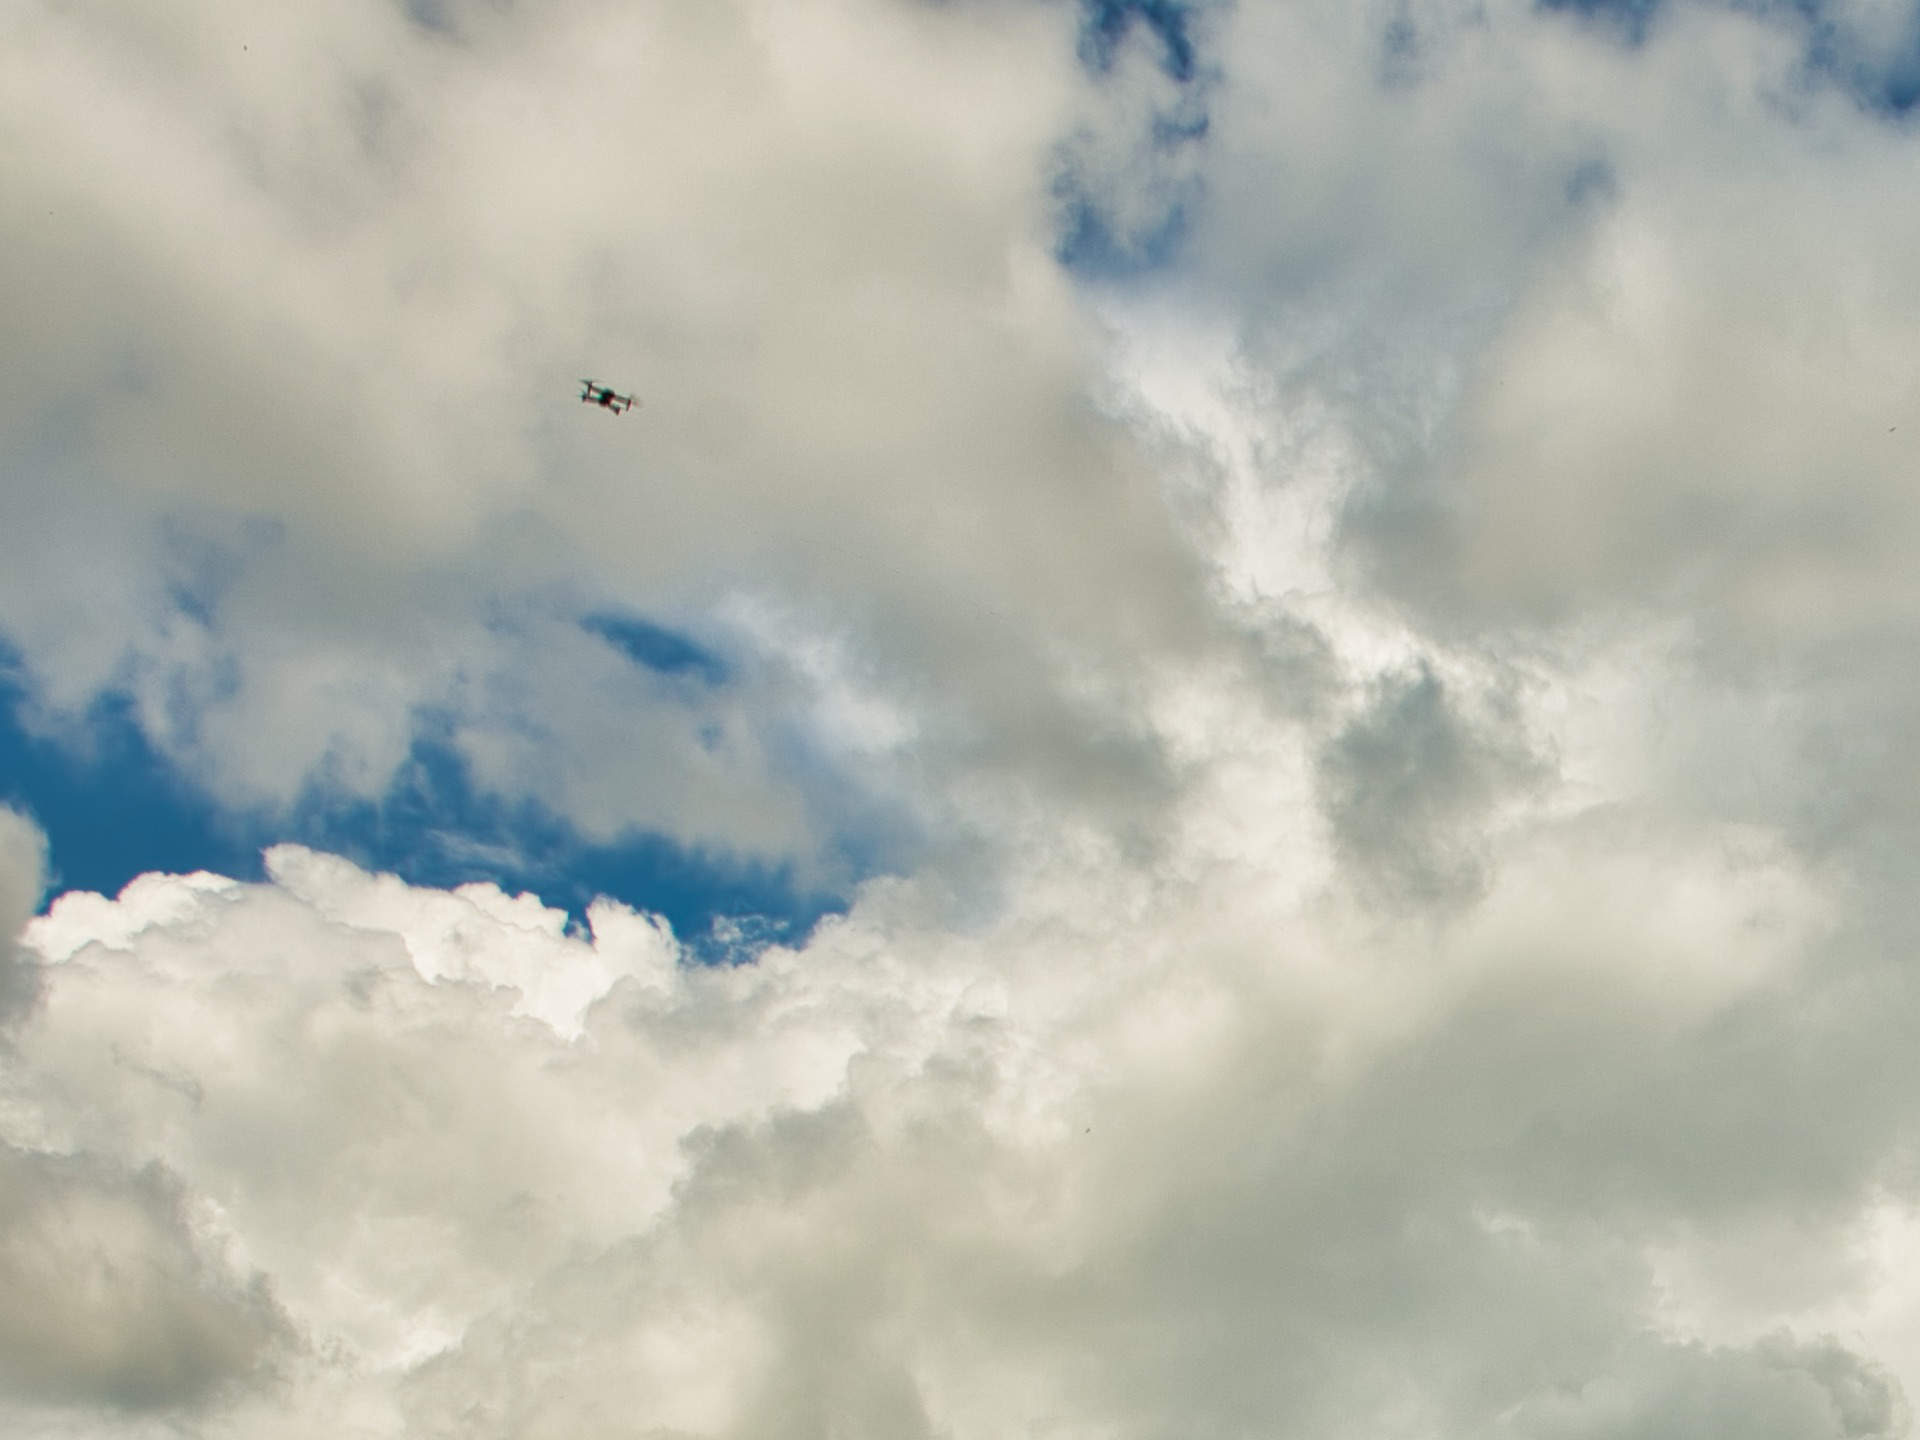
{"type": "Point", "coordinates": [1884, 81]}
{"type": "Point", "coordinates": [1096, 238]}
{"type": "Point", "coordinates": [1629, 17]}
{"type": "Point", "coordinates": [1094, 245]}
{"type": "Point", "coordinates": [113, 808]}
{"type": "Point", "coordinates": [1108, 23]}
{"type": "Point", "coordinates": [656, 648]}
{"type": "Point", "coordinates": [435, 827]}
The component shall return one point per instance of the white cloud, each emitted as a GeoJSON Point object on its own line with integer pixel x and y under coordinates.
{"type": "Point", "coordinates": [1408, 704]}
{"type": "Point", "coordinates": [335, 273]}
{"type": "Point", "coordinates": [1157, 1147]}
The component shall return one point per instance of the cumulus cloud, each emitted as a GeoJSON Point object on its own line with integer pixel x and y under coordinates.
{"type": "Point", "coordinates": [1155, 1150]}
{"type": "Point", "coordinates": [300, 302]}
{"type": "Point", "coordinates": [1399, 666]}
{"type": "Point", "coordinates": [112, 1300]}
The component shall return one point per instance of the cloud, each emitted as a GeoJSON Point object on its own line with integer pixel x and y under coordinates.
{"type": "Point", "coordinates": [1397, 688]}
{"type": "Point", "coordinates": [1409, 782]}
{"type": "Point", "coordinates": [1154, 1149]}
{"type": "Point", "coordinates": [1777, 1388]}
{"type": "Point", "coordinates": [113, 1300]}
{"type": "Point", "coordinates": [300, 302]}
{"type": "Point", "coordinates": [1650, 357]}
{"type": "Point", "coordinates": [23, 870]}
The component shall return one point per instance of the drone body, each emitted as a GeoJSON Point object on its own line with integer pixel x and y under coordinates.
{"type": "Point", "coordinates": [594, 393]}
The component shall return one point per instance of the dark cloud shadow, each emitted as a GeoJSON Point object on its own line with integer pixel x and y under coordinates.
{"type": "Point", "coordinates": [110, 1300]}
{"type": "Point", "coordinates": [1408, 782]}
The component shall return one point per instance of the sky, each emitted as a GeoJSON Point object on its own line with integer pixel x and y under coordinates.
{"type": "Point", "coordinates": [1226, 753]}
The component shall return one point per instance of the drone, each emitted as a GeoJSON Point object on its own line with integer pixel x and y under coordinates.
{"type": "Point", "coordinates": [594, 393]}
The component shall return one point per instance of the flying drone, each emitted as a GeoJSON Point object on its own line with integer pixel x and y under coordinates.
{"type": "Point", "coordinates": [594, 393]}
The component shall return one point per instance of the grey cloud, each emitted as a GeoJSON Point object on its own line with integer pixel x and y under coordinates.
{"type": "Point", "coordinates": [1678, 435]}
{"type": "Point", "coordinates": [1696, 402]}
{"type": "Point", "coordinates": [19, 984]}
{"type": "Point", "coordinates": [1776, 1389]}
{"type": "Point", "coordinates": [1678, 392]}
{"type": "Point", "coordinates": [1409, 782]}
{"type": "Point", "coordinates": [111, 1299]}
{"type": "Point", "coordinates": [23, 878]}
